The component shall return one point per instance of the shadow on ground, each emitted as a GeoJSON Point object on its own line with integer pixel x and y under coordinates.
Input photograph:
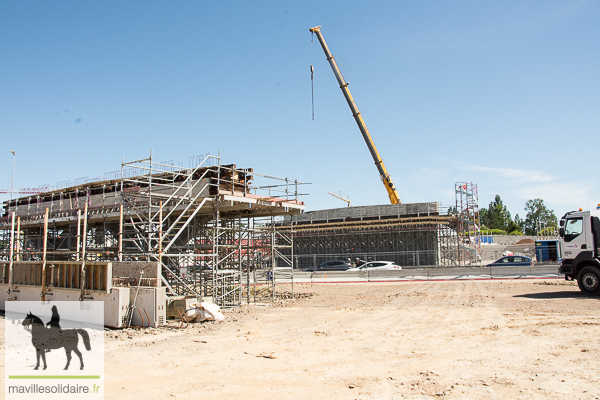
{"type": "Point", "coordinates": [557, 295]}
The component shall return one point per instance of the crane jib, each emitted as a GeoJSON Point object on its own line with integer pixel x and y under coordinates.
{"type": "Point", "coordinates": [385, 177]}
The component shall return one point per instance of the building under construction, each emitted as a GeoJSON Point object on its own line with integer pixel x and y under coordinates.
{"type": "Point", "coordinates": [411, 235]}
{"type": "Point", "coordinates": [199, 228]}
{"type": "Point", "coordinates": [210, 231]}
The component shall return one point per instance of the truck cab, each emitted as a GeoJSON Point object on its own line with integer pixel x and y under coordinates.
{"type": "Point", "coordinates": [580, 247]}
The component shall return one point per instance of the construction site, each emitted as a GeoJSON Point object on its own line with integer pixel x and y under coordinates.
{"type": "Point", "coordinates": [169, 230]}
{"type": "Point", "coordinates": [217, 232]}
{"type": "Point", "coordinates": [411, 235]}
{"type": "Point", "coordinates": [161, 235]}
{"type": "Point", "coordinates": [196, 207]}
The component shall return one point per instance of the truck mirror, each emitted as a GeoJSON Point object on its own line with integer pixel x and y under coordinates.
{"type": "Point", "coordinates": [561, 232]}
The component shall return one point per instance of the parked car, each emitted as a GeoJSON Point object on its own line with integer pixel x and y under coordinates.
{"type": "Point", "coordinates": [336, 265]}
{"type": "Point", "coordinates": [512, 261]}
{"type": "Point", "coordinates": [377, 266]}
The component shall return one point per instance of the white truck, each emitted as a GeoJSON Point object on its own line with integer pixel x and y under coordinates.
{"type": "Point", "coordinates": [580, 247]}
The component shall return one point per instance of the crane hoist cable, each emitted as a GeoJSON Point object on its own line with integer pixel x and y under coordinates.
{"type": "Point", "coordinates": [312, 75]}
{"type": "Point", "coordinates": [383, 174]}
{"type": "Point", "coordinates": [312, 90]}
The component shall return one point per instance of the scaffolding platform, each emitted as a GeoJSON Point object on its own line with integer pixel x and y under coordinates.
{"type": "Point", "coordinates": [410, 235]}
{"type": "Point", "coordinates": [206, 226]}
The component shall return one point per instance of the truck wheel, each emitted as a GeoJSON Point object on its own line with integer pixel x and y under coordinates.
{"type": "Point", "coordinates": [588, 280]}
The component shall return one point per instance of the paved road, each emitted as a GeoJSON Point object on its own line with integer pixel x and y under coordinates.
{"type": "Point", "coordinates": [440, 273]}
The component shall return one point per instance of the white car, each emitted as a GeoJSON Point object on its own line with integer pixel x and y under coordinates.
{"type": "Point", "coordinates": [377, 266]}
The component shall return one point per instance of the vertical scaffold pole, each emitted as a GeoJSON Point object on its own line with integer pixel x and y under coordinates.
{"type": "Point", "coordinates": [121, 233]}
{"type": "Point", "coordinates": [149, 247]}
{"type": "Point", "coordinates": [10, 268]}
{"type": "Point", "coordinates": [78, 234]}
{"type": "Point", "coordinates": [18, 240]}
{"type": "Point", "coordinates": [239, 235]}
{"type": "Point", "coordinates": [160, 233]}
{"type": "Point", "coordinates": [43, 294]}
{"type": "Point", "coordinates": [273, 260]}
{"type": "Point", "coordinates": [292, 251]}
{"type": "Point", "coordinates": [82, 271]}
{"type": "Point", "coordinates": [249, 257]}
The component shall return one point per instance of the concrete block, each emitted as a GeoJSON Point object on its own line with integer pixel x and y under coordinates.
{"type": "Point", "coordinates": [131, 269]}
{"type": "Point", "coordinates": [151, 303]}
{"type": "Point", "coordinates": [116, 303]}
{"type": "Point", "coordinates": [180, 304]}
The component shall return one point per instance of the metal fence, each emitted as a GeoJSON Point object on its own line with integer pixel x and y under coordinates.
{"type": "Point", "coordinates": [433, 273]}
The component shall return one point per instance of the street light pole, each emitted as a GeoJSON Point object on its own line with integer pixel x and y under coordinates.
{"type": "Point", "coordinates": [12, 185]}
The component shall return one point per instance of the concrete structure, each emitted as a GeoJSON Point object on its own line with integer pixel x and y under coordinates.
{"type": "Point", "coordinates": [408, 234]}
{"type": "Point", "coordinates": [63, 283]}
{"type": "Point", "coordinates": [91, 237]}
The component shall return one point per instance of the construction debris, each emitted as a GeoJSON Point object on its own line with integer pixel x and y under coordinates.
{"type": "Point", "coordinates": [203, 312]}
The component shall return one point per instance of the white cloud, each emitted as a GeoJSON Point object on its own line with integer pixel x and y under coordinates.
{"type": "Point", "coordinates": [565, 194]}
{"type": "Point", "coordinates": [519, 175]}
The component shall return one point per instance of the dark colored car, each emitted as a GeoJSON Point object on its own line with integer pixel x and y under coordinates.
{"type": "Point", "coordinates": [512, 261]}
{"type": "Point", "coordinates": [336, 265]}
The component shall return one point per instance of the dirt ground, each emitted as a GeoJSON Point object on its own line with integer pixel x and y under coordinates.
{"type": "Point", "coordinates": [510, 339]}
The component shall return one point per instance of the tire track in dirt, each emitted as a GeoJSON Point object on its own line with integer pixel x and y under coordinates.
{"type": "Point", "coordinates": [347, 342]}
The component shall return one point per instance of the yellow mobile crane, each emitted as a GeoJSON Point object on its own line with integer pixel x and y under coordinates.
{"type": "Point", "coordinates": [385, 177]}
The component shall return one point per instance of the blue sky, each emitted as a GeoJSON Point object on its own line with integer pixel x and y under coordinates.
{"type": "Point", "coordinates": [504, 94]}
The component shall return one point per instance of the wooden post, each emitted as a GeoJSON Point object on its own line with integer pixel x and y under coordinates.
{"type": "Point", "coordinates": [11, 265]}
{"type": "Point", "coordinates": [78, 234]}
{"type": "Point", "coordinates": [43, 294]}
{"type": "Point", "coordinates": [82, 272]}
{"type": "Point", "coordinates": [121, 233]}
{"type": "Point", "coordinates": [18, 240]}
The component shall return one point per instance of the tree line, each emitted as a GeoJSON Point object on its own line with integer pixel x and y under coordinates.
{"type": "Point", "coordinates": [497, 219]}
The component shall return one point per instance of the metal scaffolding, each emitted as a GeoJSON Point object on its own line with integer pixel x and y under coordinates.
{"type": "Point", "coordinates": [408, 234]}
{"type": "Point", "coordinates": [210, 226]}
{"type": "Point", "coordinates": [468, 226]}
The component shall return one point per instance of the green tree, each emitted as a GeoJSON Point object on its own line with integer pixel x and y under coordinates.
{"type": "Point", "coordinates": [538, 217]}
{"type": "Point", "coordinates": [513, 227]}
{"type": "Point", "coordinates": [520, 224]}
{"type": "Point", "coordinates": [496, 216]}
{"type": "Point", "coordinates": [483, 218]}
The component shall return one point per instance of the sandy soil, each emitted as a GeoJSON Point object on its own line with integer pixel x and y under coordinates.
{"type": "Point", "coordinates": [531, 339]}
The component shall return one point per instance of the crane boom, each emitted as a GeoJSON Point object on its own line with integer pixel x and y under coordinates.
{"type": "Point", "coordinates": [383, 174]}
{"type": "Point", "coordinates": [341, 198]}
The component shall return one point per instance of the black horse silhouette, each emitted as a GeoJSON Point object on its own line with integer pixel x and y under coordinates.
{"type": "Point", "coordinates": [54, 338]}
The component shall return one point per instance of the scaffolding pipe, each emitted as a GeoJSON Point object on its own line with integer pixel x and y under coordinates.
{"type": "Point", "coordinates": [43, 293]}
{"type": "Point", "coordinates": [18, 240]}
{"type": "Point", "coordinates": [160, 232]}
{"type": "Point", "coordinates": [121, 232]}
{"type": "Point", "coordinates": [10, 271]}
{"type": "Point", "coordinates": [82, 271]}
{"type": "Point", "coordinates": [149, 248]}
{"type": "Point", "coordinates": [78, 234]}
{"type": "Point", "coordinates": [272, 257]}
{"type": "Point", "coordinates": [218, 236]}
